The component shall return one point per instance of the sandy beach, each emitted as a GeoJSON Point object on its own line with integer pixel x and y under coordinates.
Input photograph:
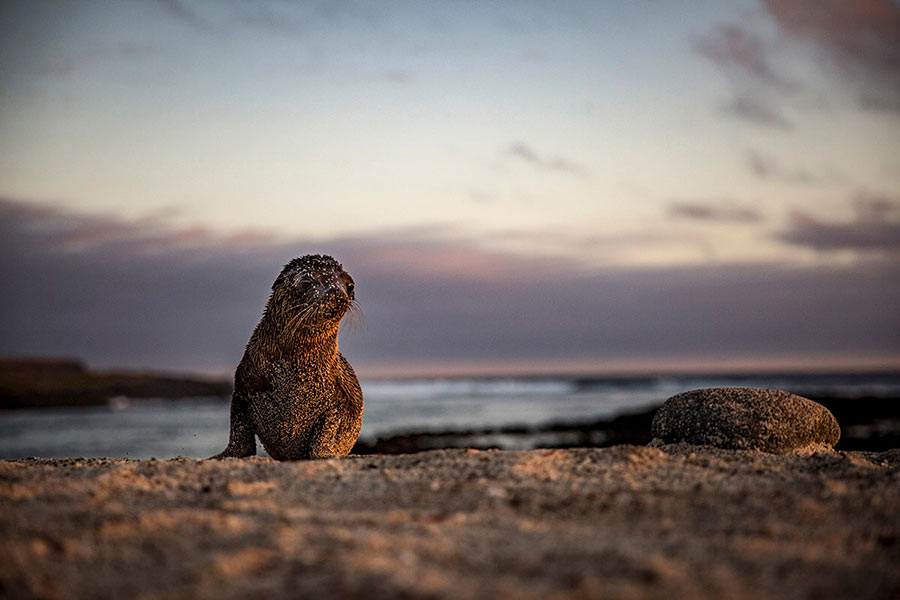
{"type": "Point", "coordinates": [677, 521]}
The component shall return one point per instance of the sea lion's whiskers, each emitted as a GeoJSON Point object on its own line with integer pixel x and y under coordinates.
{"type": "Point", "coordinates": [349, 322]}
{"type": "Point", "coordinates": [295, 323]}
{"type": "Point", "coordinates": [303, 301]}
{"type": "Point", "coordinates": [303, 316]}
{"type": "Point", "coordinates": [301, 311]}
{"type": "Point", "coordinates": [296, 317]}
{"type": "Point", "coordinates": [357, 311]}
{"type": "Point", "coordinates": [354, 316]}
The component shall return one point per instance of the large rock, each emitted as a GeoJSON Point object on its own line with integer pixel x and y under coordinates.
{"type": "Point", "coordinates": [746, 419]}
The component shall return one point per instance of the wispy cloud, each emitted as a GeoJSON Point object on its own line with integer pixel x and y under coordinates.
{"type": "Point", "coordinates": [285, 19]}
{"type": "Point", "coordinates": [180, 11]}
{"type": "Point", "coordinates": [875, 227]}
{"type": "Point", "coordinates": [858, 45]}
{"type": "Point", "coordinates": [71, 232]}
{"type": "Point", "coordinates": [741, 54]}
{"type": "Point", "coordinates": [860, 37]}
{"type": "Point", "coordinates": [768, 167]}
{"type": "Point", "coordinates": [398, 77]}
{"type": "Point", "coordinates": [759, 87]}
{"type": "Point", "coordinates": [525, 153]}
{"type": "Point", "coordinates": [135, 293]}
{"type": "Point", "coordinates": [724, 211]}
{"type": "Point", "coordinates": [753, 107]}
{"type": "Point", "coordinates": [618, 248]}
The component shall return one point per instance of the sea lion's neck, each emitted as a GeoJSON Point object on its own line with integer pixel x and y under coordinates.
{"type": "Point", "coordinates": [312, 346]}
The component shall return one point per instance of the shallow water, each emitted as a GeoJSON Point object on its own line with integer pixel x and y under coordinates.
{"type": "Point", "coordinates": [198, 427]}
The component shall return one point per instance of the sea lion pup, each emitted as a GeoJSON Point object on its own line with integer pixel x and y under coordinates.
{"type": "Point", "coordinates": [292, 388]}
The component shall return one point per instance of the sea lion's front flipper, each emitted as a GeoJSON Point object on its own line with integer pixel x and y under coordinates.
{"type": "Point", "coordinates": [242, 437]}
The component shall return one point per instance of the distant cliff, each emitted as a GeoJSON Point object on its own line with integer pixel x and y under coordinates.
{"type": "Point", "coordinates": [45, 382]}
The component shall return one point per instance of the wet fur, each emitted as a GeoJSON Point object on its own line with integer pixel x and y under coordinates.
{"type": "Point", "coordinates": [292, 388]}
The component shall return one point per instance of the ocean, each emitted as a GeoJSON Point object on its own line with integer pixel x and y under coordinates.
{"type": "Point", "coordinates": [198, 427]}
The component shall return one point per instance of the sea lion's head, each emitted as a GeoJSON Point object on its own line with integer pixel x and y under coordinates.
{"type": "Point", "coordinates": [314, 291]}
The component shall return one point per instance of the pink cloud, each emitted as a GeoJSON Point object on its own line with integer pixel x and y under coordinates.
{"type": "Point", "coordinates": [868, 30]}
{"type": "Point", "coordinates": [151, 294]}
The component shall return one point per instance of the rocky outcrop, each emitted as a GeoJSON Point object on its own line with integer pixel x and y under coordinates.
{"type": "Point", "coordinates": [745, 419]}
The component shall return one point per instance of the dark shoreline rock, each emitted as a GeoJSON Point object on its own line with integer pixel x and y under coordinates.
{"type": "Point", "coordinates": [867, 424]}
{"type": "Point", "coordinates": [43, 383]}
{"type": "Point", "coordinates": [630, 428]}
{"type": "Point", "coordinates": [769, 420]}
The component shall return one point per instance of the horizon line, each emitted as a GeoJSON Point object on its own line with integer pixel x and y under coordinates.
{"type": "Point", "coordinates": [630, 367]}
{"type": "Point", "coordinates": [635, 367]}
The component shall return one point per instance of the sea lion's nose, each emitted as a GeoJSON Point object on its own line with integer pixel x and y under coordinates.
{"type": "Point", "coordinates": [335, 285]}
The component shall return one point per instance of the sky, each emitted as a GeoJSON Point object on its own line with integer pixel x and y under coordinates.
{"type": "Point", "coordinates": [515, 186]}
